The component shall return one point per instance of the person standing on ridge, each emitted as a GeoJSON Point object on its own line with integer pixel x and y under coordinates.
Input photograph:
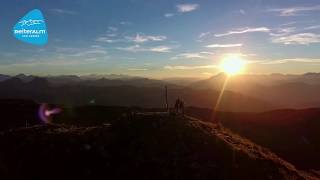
{"type": "Point", "coordinates": [176, 106]}
{"type": "Point", "coordinates": [179, 106]}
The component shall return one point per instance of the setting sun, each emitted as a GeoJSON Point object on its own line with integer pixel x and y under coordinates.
{"type": "Point", "coordinates": [233, 64]}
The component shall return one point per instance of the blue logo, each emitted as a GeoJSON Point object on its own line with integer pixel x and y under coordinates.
{"type": "Point", "coordinates": [32, 28]}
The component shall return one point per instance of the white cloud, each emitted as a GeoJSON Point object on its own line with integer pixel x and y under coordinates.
{"type": "Point", "coordinates": [302, 39]}
{"type": "Point", "coordinates": [287, 30]}
{"type": "Point", "coordinates": [66, 49]}
{"type": "Point", "coordinates": [111, 35]}
{"type": "Point", "coordinates": [108, 39]}
{"type": "Point", "coordinates": [241, 11]}
{"type": "Point", "coordinates": [283, 31]}
{"type": "Point", "coordinates": [63, 11]}
{"type": "Point", "coordinates": [50, 62]}
{"type": "Point", "coordinates": [95, 46]}
{"type": "Point", "coordinates": [244, 30]}
{"type": "Point", "coordinates": [91, 59]}
{"type": "Point", "coordinates": [239, 54]}
{"type": "Point", "coordinates": [194, 55]}
{"type": "Point", "coordinates": [134, 48]}
{"type": "Point", "coordinates": [312, 27]}
{"type": "Point", "coordinates": [125, 23]}
{"type": "Point", "coordinates": [184, 8]}
{"type": "Point", "coordinates": [103, 39]}
{"type": "Point", "coordinates": [90, 52]}
{"type": "Point", "coordinates": [190, 67]}
{"type": "Point", "coordinates": [200, 55]}
{"type": "Point", "coordinates": [282, 61]}
{"type": "Point", "coordinates": [144, 38]}
{"type": "Point", "coordinates": [223, 45]}
{"type": "Point", "coordinates": [138, 48]}
{"type": "Point", "coordinates": [204, 34]}
{"type": "Point", "coordinates": [81, 52]}
{"type": "Point", "coordinates": [137, 69]}
{"type": "Point", "coordinates": [160, 49]}
{"type": "Point", "coordinates": [168, 15]}
{"type": "Point", "coordinates": [112, 29]}
{"type": "Point", "coordinates": [293, 11]}
{"type": "Point", "coordinates": [207, 53]}
{"type": "Point", "coordinates": [60, 56]}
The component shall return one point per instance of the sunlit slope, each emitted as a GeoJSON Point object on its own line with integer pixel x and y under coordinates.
{"type": "Point", "coordinates": [143, 146]}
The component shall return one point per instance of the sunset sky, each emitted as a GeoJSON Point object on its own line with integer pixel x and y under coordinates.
{"type": "Point", "coordinates": [164, 38]}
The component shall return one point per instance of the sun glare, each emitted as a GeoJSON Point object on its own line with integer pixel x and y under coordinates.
{"type": "Point", "coordinates": [233, 64]}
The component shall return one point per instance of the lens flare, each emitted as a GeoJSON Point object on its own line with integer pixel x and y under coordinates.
{"type": "Point", "coordinates": [231, 65]}
{"type": "Point", "coordinates": [45, 113]}
{"type": "Point", "coordinates": [219, 99]}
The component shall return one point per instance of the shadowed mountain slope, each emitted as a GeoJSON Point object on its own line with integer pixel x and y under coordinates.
{"type": "Point", "coordinates": [285, 91]}
{"type": "Point", "coordinates": [98, 92]}
{"type": "Point", "coordinates": [158, 146]}
{"type": "Point", "coordinates": [292, 134]}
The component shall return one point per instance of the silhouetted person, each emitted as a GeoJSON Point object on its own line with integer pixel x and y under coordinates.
{"type": "Point", "coordinates": [179, 106]}
{"type": "Point", "coordinates": [176, 105]}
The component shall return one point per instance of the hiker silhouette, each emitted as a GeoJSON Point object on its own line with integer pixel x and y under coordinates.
{"type": "Point", "coordinates": [179, 106]}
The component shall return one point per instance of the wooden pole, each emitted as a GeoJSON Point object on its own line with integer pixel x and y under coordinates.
{"type": "Point", "coordinates": [166, 94]}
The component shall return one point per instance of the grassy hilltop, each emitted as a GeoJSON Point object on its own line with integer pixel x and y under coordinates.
{"type": "Point", "coordinates": [145, 146]}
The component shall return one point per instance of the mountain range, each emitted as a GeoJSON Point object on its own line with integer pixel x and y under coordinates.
{"type": "Point", "coordinates": [243, 93]}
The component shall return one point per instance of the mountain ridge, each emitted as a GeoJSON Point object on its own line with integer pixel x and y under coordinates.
{"type": "Point", "coordinates": [190, 149]}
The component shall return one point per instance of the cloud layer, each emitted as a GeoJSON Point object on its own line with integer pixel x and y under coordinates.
{"type": "Point", "coordinates": [190, 67]}
{"type": "Point", "coordinates": [184, 8]}
{"type": "Point", "coordinates": [244, 30]}
{"type": "Point", "coordinates": [302, 39]}
{"type": "Point", "coordinates": [223, 45]}
{"type": "Point", "coordinates": [294, 11]}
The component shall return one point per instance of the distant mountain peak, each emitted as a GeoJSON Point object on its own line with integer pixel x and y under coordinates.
{"type": "Point", "coordinates": [25, 78]}
{"type": "Point", "coordinates": [311, 74]}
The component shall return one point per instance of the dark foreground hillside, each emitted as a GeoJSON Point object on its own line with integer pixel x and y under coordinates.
{"type": "Point", "coordinates": [141, 147]}
{"type": "Point", "coordinates": [292, 134]}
